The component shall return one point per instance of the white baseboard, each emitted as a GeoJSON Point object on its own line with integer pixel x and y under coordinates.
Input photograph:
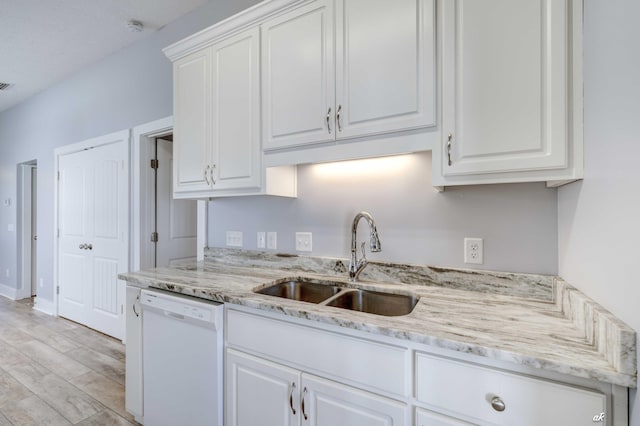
{"type": "Point", "coordinates": [44, 305]}
{"type": "Point", "coordinates": [8, 292]}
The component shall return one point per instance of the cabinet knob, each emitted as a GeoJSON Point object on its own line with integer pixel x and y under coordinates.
{"type": "Point", "coordinates": [82, 246]}
{"type": "Point", "coordinates": [497, 403]}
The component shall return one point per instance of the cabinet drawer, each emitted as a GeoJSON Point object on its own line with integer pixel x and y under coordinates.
{"type": "Point", "coordinates": [467, 390]}
{"type": "Point", "coordinates": [372, 365]}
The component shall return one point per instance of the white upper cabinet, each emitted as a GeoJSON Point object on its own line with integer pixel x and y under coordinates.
{"type": "Point", "coordinates": [385, 66]}
{"type": "Point", "coordinates": [236, 112]}
{"type": "Point", "coordinates": [511, 91]}
{"type": "Point", "coordinates": [217, 149]}
{"type": "Point", "coordinates": [298, 76]}
{"type": "Point", "coordinates": [380, 77]}
{"type": "Point", "coordinates": [191, 109]}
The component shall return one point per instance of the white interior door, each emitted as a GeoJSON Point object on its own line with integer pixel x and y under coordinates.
{"type": "Point", "coordinates": [176, 219]}
{"type": "Point", "coordinates": [93, 240]}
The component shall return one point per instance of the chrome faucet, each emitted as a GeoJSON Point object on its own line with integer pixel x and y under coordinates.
{"type": "Point", "coordinates": [356, 266]}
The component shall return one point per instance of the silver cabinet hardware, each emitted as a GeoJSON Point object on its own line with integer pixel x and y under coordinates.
{"type": "Point", "coordinates": [213, 181]}
{"type": "Point", "coordinates": [329, 120]}
{"type": "Point", "coordinates": [293, 388]}
{"type": "Point", "coordinates": [82, 246]}
{"type": "Point", "coordinates": [90, 247]}
{"type": "Point", "coordinates": [206, 175]}
{"type": "Point", "coordinates": [449, 147]}
{"type": "Point", "coordinates": [304, 393]}
{"type": "Point", "coordinates": [497, 403]}
{"type": "Point", "coordinates": [338, 118]}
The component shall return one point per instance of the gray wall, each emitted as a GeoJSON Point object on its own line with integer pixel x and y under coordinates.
{"type": "Point", "coordinates": [128, 88]}
{"type": "Point", "coordinates": [416, 224]}
{"type": "Point", "coordinates": [599, 218]}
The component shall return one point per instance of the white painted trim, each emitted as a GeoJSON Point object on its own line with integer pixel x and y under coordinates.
{"type": "Point", "coordinates": [24, 230]}
{"type": "Point", "coordinates": [201, 231]}
{"type": "Point", "coordinates": [8, 292]}
{"type": "Point", "coordinates": [69, 149]}
{"type": "Point", "coordinates": [141, 136]}
{"type": "Point", "coordinates": [44, 305]}
{"type": "Point", "coordinates": [245, 19]}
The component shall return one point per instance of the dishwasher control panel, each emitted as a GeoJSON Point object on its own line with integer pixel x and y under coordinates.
{"type": "Point", "coordinates": [180, 307]}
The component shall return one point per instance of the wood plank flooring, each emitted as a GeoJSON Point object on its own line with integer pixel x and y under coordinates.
{"type": "Point", "coordinates": [56, 372]}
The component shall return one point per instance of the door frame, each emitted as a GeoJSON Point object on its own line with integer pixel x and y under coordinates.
{"type": "Point", "coordinates": [143, 136]}
{"type": "Point", "coordinates": [25, 211]}
{"type": "Point", "coordinates": [70, 149]}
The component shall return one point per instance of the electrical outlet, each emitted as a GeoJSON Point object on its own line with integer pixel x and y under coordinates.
{"type": "Point", "coordinates": [234, 238]}
{"type": "Point", "coordinates": [272, 240]}
{"type": "Point", "coordinates": [304, 241]}
{"type": "Point", "coordinates": [473, 251]}
{"type": "Point", "coordinates": [261, 240]}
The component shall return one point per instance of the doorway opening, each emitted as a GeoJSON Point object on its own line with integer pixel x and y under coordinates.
{"type": "Point", "coordinates": [27, 229]}
{"type": "Point", "coordinates": [164, 230]}
{"type": "Point", "coordinates": [172, 223]}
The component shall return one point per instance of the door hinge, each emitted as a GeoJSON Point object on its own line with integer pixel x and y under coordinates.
{"type": "Point", "coordinates": [57, 289]}
{"type": "Point", "coordinates": [154, 237]}
{"type": "Point", "coordinates": [154, 163]}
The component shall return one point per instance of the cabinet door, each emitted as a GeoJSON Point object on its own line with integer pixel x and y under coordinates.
{"type": "Point", "coordinates": [192, 109]}
{"type": "Point", "coordinates": [429, 418]}
{"type": "Point", "coordinates": [505, 85]}
{"type": "Point", "coordinates": [298, 76]}
{"type": "Point", "coordinates": [236, 112]}
{"type": "Point", "coordinates": [326, 403]}
{"type": "Point", "coordinates": [260, 392]}
{"type": "Point", "coordinates": [385, 66]}
{"type": "Point", "coordinates": [133, 363]}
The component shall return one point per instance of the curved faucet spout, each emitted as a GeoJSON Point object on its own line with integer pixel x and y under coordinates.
{"type": "Point", "coordinates": [356, 266]}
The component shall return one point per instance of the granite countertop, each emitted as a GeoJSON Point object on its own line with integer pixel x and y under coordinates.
{"type": "Point", "coordinates": [533, 320]}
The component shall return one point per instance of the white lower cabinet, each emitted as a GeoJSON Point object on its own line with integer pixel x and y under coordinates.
{"type": "Point", "coordinates": [429, 418]}
{"type": "Point", "coordinates": [261, 392]}
{"type": "Point", "coordinates": [487, 396]}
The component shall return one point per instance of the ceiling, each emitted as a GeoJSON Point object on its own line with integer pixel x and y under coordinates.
{"type": "Point", "coordinates": [44, 41]}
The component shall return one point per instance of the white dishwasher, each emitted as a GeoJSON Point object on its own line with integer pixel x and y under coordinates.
{"type": "Point", "coordinates": [181, 360]}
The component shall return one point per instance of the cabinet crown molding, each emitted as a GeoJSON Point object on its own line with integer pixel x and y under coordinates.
{"type": "Point", "coordinates": [228, 27]}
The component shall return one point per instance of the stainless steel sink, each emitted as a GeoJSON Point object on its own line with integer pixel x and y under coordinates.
{"type": "Point", "coordinates": [335, 294]}
{"type": "Point", "coordinates": [374, 302]}
{"type": "Point", "coordinates": [304, 291]}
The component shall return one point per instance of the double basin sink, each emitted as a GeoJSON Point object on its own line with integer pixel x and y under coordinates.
{"type": "Point", "coordinates": [330, 293]}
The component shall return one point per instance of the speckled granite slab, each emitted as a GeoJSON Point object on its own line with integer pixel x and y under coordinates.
{"type": "Point", "coordinates": [533, 320]}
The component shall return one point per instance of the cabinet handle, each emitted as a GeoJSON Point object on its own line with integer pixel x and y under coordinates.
{"type": "Point", "coordinates": [211, 173]}
{"type": "Point", "coordinates": [449, 147]}
{"type": "Point", "coordinates": [134, 306]}
{"type": "Point", "coordinates": [293, 388]}
{"type": "Point", "coordinates": [338, 118]}
{"type": "Point", "coordinates": [497, 403]}
{"type": "Point", "coordinates": [304, 393]}
{"type": "Point", "coordinates": [206, 176]}
{"type": "Point", "coordinates": [89, 246]}
{"type": "Point", "coordinates": [82, 246]}
{"type": "Point", "coordinates": [329, 120]}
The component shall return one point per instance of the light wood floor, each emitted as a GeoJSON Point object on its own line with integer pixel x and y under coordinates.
{"type": "Point", "coordinates": [56, 372]}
